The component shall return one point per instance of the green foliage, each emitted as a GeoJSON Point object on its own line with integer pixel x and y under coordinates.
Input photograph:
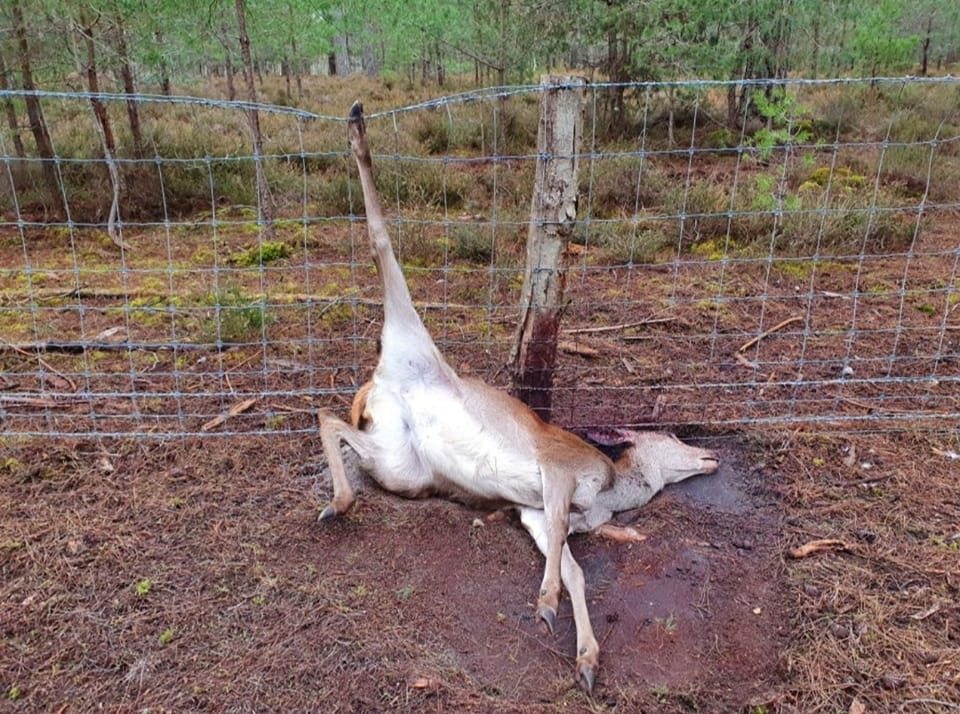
{"type": "Point", "coordinates": [472, 243]}
{"type": "Point", "coordinates": [721, 139]}
{"type": "Point", "coordinates": [779, 110]}
{"type": "Point", "coordinates": [143, 587]}
{"type": "Point", "coordinates": [841, 177]}
{"type": "Point", "coordinates": [261, 254]}
{"type": "Point", "coordinates": [236, 318]}
{"type": "Point", "coordinates": [879, 46]}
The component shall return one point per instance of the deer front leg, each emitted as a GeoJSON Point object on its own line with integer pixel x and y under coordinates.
{"type": "Point", "coordinates": [332, 431]}
{"type": "Point", "coordinates": [588, 650]}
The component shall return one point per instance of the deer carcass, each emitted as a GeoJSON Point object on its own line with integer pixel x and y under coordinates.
{"type": "Point", "coordinates": [419, 429]}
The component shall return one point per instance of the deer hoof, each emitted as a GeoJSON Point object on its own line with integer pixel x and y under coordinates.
{"type": "Point", "coordinates": [549, 616]}
{"type": "Point", "coordinates": [585, 678]}
{"type": "Point", "coordinates": [328, 514]}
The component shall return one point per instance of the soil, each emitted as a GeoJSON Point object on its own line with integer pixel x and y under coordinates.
{"type": "Point", "coordinates": [194, 575]}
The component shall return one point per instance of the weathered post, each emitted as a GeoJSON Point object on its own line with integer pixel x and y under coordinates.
{"type": "Point", "coordinates": [553, 213]}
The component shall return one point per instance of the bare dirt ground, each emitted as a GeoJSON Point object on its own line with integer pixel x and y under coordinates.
{"type": "Point", "coordinates": [178, 574]}
{"type": "Point", "coordinates": [193, 575]}
{"type": "Point", "coordinates": [405, 605]}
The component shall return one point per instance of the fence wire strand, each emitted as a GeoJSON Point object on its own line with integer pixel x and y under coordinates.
{"type": "Point", "coordinates": [798, 268]}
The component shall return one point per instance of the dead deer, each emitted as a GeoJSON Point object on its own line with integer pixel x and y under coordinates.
{"type": "Point", "coordinates": [421, 430]}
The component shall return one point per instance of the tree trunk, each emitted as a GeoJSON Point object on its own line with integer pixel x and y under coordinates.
{"type": "Point", "coordinates": [129, 88]}
{"type": "Point", "coordinates": [35, 112]}
{"type": "Point", "coordinates": [11, 112]}
{"type": "Point", "coordinates": [228, 68]}
{"type": "Point", "coordinates": [441, 70]}
{"type": "Point", "coordinates": [230, 73]}
{"type": "Point", "coordinates": [164, 70]}
{"type": "Point", "coordinates": [264, 203]}
{"type": "Point", "coordinates": [553, 213]}
{"type": "Point", "coordinates": [93, 85]}
{"type": "Point", "coordinates": [925, 46]}
{"type": "Point", "coordinates": [815, 61]}
{"type": "Point", "coordinates": [104, 129]}
{"type": "Point", "coordinates": [732, 117]}
{"type": "Point", "coordinates": [297, 69]}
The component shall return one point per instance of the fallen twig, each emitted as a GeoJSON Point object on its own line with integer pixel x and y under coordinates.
{"type": "Point", "coordinates": [863, 481]}
{"type": "Point", "coordinates": [237, 408]}
{"type": "Point", "coordinates": [574, 348]}
{"type": "Point", "coordinates": [818, 546]}
{"type": "Point", "coordinates": [744, 361]}
{"type": "Point", "coordinates": [779, 326]}
{"type": "Point", "coordinates": [887, 410]}
{"type": "Point", "coordinates": [288, 409]}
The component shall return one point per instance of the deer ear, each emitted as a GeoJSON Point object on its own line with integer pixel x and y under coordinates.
{"type": "Point", "coordinates": [611, 437]}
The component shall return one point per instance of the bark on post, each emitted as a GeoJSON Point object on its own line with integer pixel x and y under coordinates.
{"type": "Point", "coordinates": [553, 213]}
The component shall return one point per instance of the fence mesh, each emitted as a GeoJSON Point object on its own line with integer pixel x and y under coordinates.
{"type": "Point", "coordinates": [801, 269]}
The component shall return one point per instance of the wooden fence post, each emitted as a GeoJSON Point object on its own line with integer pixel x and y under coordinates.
{"type": "Point", "coordinates": [553, 213]}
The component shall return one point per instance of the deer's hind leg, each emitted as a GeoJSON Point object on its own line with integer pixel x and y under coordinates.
{"type": "Point", "coordinates": [588, 650]}
{"type": "Point", "coordinates": [556, 514]}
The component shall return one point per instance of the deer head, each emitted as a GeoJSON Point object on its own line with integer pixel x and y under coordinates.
{"type": "Point", "coordinates": [659, 457]}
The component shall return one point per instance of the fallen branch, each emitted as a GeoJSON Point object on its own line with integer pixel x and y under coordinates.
{"type": "Point", "coordinates": [44, 364]}
{"type": "Point", "coordinates": [779, 326]}
{"type": "Point", "coordinates": [39, 402]}
{"type": "Point", "coordinates": [30, 349]}
{"type": "Point", "coordinates": [879, 409]}
{"type": "Point", "coordinates": [623, 326]}
{"type": "Point", "coordinates": [863, 481]}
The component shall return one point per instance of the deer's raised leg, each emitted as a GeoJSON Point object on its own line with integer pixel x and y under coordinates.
{"type": "Point", "coordinates": [401, 323]}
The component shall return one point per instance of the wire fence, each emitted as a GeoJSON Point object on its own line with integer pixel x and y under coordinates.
{"type": "Point", "coordinates": [776, 253]}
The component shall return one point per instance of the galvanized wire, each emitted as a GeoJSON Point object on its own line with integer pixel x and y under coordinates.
{"type": "Point", "coordinates": [680, 266]}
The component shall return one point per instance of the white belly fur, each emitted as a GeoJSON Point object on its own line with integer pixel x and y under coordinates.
{"type": "Point", "coordinates": [427, 438]}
